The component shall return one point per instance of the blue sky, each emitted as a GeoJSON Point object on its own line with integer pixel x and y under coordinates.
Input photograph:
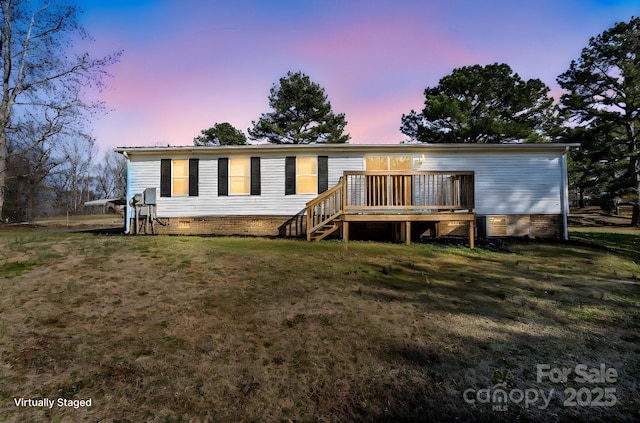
{"type": "Point", "coordinates": [189, 64]}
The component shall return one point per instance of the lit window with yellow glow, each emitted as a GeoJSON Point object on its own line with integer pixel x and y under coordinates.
{"type": "Point", "coordinates": [384, 163]}
{"type": "Point", "coordinates": [307, 175]}
{"type": "Point", "coordinates": [239, 175]}
{"type": "Point", "coordinates": [180, 177]}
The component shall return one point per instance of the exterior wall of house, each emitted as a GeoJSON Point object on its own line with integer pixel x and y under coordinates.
{"type": "Point", "coordinates": [520, 191]}
{"type": "Point", "coordinates": [507, 183]}
{"type": "Point", "coordinates": [145, 173]}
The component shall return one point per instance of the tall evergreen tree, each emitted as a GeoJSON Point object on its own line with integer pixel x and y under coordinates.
{"type": "Point", "coordinates": [590, 172]}
{"type": "Point", "coordinates": [301, 114]}
{"type": "Point", "coordinates": [603, 97]}
{"type": "Point", "coordinates": [220, 134]}
{"type": "Point", "coordinates": [483, 104]}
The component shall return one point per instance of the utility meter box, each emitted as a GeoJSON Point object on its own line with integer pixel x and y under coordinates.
{"type": "Point", "coordinates": [149, 196]}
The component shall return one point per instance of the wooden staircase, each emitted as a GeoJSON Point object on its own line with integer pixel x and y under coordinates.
{"type": "Point", "coordinates": [326, 230]}
{"type": "Point", "coordinates": [324, 213]}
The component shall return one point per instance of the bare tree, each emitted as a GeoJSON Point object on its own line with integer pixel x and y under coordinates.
{"type": "Point", "coordinates": [27, 172]}
{"type": "Point", "coordinates": [73, 180]}
{"type": "Point", "coordinates": [42, 78]}
{"type": "Point", "coordinates": [111, 176]}
{"type": "Point", "coordinates": [33, 154]}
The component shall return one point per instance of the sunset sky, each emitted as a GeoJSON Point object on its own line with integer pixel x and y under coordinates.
{"type": "Point", "coordinates": [189, 64]}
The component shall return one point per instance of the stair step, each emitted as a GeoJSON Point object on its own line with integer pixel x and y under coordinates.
{"type": "Point", "coordinates": [324, 231]}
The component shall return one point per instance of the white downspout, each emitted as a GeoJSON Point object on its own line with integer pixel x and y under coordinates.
{"type": "Point", "coordinates": [127, 225]}
{"type": "Point", "coordinates": [565, 195]}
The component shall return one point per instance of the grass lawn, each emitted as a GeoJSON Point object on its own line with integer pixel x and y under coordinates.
{"type": "Point", "coordinates": [191, 329]}
{"type": "Point", "coordinates": [625, 241]}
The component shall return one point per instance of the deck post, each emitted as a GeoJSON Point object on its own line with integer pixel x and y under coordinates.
{"type": "Point", "coordinates": [472, 234]}
{"type": "Point", "coordinates": [345, 232]}
{"type": "Point", "coordinates": [407, 234]}
{"type": "Point", "coordinates": [345, 190]}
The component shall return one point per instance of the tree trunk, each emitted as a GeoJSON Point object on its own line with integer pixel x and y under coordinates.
{"type": "Point", "coordinates": [635, 214]}
{"type": "Point", "coordinates": [635, 161]}
{"type": "Point", "coordinates": [3, 169]}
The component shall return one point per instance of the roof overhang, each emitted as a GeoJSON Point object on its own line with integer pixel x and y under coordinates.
{"type": "Point", "coordinates": [267, 149]}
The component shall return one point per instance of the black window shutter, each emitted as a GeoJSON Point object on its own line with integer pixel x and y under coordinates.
{"type": "Point", "coordinates": [223, 176]}
{"type": "Point", "coordinates": [255, 176]}
{"type": "Point", "coordinates": [323, 173]}
{"type": "Point", "coordinates": [193, 177]}
{"type": "Point", "coordinates": [290, 176]}
{"type": "Point", "coordinates": [165, 178]}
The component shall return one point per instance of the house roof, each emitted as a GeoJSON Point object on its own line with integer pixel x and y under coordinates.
{"type": "Point", "coordinates": [340, 148]}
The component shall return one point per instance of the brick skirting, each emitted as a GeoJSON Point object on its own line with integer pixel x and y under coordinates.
{"type": "Point", "coordinates": [538, 226]}
{"type": "Point", "coordinates": [233, 225]}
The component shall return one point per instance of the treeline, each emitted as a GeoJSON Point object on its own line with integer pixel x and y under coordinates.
{"type": "Point", "coordinates": [58, 177]}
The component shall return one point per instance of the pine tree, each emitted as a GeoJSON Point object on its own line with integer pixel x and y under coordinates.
{"type": "Point", "coordinates": [301, 114]}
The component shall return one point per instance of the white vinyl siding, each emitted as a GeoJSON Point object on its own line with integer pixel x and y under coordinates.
{"type": "Point", "coordinates": [507, 183]}
{"type": "Point", "coordinates": [145, 173]}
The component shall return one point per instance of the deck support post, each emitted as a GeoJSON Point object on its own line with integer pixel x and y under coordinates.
{"type": "Point", "coordinates": [345, 233]}
{"type": "Point", "coordinates": [472, 234]}
{"type": "Point", "coordinates": [407, 233]}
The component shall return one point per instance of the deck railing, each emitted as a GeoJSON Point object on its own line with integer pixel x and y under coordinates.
{"type": "Point", "coordinates": [409, 192]}
{"type": "Point", "coordinates": [391, 192]}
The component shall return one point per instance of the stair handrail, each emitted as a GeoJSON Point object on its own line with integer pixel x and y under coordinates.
{"type": "Point", "coordinates": [325, 208]}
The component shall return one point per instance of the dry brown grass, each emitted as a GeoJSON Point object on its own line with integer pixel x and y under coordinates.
{"type": "Point", "coordinates": [170, 329]}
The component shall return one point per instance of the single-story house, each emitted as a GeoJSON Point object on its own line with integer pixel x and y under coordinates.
{"type": "Point", "coordinates": [350, 189]}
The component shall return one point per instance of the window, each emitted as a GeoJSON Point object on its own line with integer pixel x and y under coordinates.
{"type": "Point", "coordinates": [239, 175]}
{"type": "Point", "coordinates": [307, 175]}
{"type": "Point", "coordinates": [377, 163]}
{"type": "Point", "coordinates": [389, 163]}
{"type": "Point", "coordinates": [178, 177]}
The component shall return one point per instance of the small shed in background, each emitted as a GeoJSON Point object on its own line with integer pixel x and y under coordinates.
{"type": "Point", "coordinates": [105, 206]}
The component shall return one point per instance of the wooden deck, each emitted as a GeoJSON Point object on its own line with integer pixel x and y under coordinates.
{"type": "Point", "coordinates": [372, 196]}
